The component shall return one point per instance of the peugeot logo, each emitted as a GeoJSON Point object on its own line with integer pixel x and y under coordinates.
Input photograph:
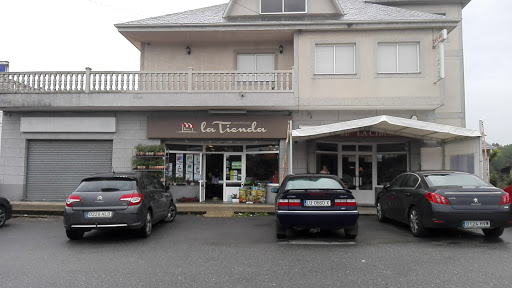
{"type": "Point", "coordinates": [475, 202]}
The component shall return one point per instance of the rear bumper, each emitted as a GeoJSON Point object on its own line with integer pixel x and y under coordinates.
{"type": "Point", "coordinates": [331, 220]}
{"type": "Point", "coordinates": [132, 218]}
{"type": "Point", "coordinates": [454, 218]}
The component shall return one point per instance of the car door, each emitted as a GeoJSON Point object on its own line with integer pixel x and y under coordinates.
{"type": "Point", "coordinates": [405, 195]}
{"type": "Point", "coordinates": [162, 198]}
{"type": "Point", "coordinates": [390, 200]}
{"type": "Point", "coordinates": [151, 192]}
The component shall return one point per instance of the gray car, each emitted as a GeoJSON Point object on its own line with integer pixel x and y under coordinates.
{"type": "Point", "coordinates": [132, 200]}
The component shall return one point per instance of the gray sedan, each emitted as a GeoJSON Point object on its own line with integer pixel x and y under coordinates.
{"type": "Point", "coordinates": [132, 200]}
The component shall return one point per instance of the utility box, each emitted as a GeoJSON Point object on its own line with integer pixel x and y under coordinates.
{"type": "Point", "coordinates": [4, 66]}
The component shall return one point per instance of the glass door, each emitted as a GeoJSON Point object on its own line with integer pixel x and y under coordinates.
{"type": "Point", "coordinates": [357, 174]}
{"type": "Point", "coordinates": [234, 174]}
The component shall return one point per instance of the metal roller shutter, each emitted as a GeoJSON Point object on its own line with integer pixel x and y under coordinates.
{"type": "Point", "coordinates": [55, 168]}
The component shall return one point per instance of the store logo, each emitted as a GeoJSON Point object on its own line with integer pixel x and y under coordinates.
{"type": "Point", "coordinates": [187, 127]}
{"type": "Point", "coordinates": [475, 202]}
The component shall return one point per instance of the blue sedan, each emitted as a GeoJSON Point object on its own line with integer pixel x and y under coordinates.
{"type": "Point", "coordinates": [315, 202]}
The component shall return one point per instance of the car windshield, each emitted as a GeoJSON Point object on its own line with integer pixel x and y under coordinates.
{"type": "Point", "coordinates": [313, 183]}
{"type": "Point", "coordinates": [106, 185]}
{"type": "Point", "coordinates": [456, 179]}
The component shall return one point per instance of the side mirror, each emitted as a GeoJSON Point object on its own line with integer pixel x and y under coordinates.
{"type": "Point", "coordinates": [386, 186]}
{"type": "Point", "coordinates": [274, 190]}
{"type": "Point", "coordinates": [167, 187]}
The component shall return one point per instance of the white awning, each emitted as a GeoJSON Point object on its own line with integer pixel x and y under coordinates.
{"type": "Point", "coordinates": [390, 125]}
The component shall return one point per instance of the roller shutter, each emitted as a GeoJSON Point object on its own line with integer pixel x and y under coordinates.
{"type": "Point", "coordinates": [55, 168]}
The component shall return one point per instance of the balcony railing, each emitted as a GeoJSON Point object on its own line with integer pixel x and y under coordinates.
{"type": "Point", "coordinates": [100, 82]}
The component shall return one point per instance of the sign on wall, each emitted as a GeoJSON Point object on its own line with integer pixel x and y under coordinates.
{"type": "Point", "coordinates": [438, 43]}
{"type": "Point", "coordinates": [217, 127]}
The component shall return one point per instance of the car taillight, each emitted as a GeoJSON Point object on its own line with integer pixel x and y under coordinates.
{"type": "Point", "coordinates": [436, 198]}
{"type": "Point", "coordinates": [505, 199]}
{"type": "Point", "coordinates": [133, 199]}
{"type": "Point", "coordinates": [288, 202]}
{"type": "Point", "coordinates": [71, 199]}
{"type": "Point", "coordinates": [345, 202]}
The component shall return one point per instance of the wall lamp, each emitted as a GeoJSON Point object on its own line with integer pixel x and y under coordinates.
{"type": "Point", "coordinates": [281, 48]}
{"type": "Point", "coordinates": [188, 50]}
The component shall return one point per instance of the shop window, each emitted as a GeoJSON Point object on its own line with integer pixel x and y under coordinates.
{"type": "Point", "coordinates": [262, 168]}
{"type": "Point", "coordinates": [348, 148]}
{"type": "Point", "coordinates": [222, 148]}
{"type": "Point", "coordinates": [327, 147]}
{"type": "Point", "coordinates": [393, 147]}
{"type": "Point", "coordinates": [335, 59]}
{"type": "Point", "coordinates": [329, 160]}
{"type": "Point", "coordinates": [283, 6]}
{"type": "Point", "coordinates": [262, 147]}
{"type": "Point", "coordinates": [365, 148]}
{"type": "Point", "coordinates": [389, 166]}
{"type": "Point", "coordinates": [184, 168]}
{"type": "Point", "coordinates": [398, 58]}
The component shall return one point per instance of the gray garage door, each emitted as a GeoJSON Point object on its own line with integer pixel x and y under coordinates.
{"type": "Point", "coordinates": [55, 168]}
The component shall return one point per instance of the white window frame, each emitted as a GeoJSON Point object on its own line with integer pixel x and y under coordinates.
{"type": "Point", "coordinates": [282, 9]}
{"type": "Point", "coordinates": [334, 59]}
{"type": "Point", "coordinates": [397, 45]}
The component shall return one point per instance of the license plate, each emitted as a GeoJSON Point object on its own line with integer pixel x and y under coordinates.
{"type": "Point", "coordinates": [317, 202]}
{"type": "Point", "coordinates": [476, 224]}
{"type": "Point", "coordinates": [98, 214]}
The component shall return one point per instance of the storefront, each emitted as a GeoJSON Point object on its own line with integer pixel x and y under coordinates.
{"type": "Point", "coordinates": [221, 157]}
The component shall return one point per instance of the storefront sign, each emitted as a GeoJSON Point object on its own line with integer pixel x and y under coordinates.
{"type": "Point", "coordinates": [245, 127]}
{"type": "Point", "coordinates": [366, 134]}
{"type": "Point", "coordinates": [438, 44]}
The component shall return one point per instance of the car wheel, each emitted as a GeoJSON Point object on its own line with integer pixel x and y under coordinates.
{"type": "Point", "coordinates": [171, 213]}
{"type": "Point", "coordinates": [380, 213]}
{"type": "Point", "coordinates": [147, 228]}
{"type": "Point", "coordinates": [494, 232]}
{"type": "Point", "coordinates": [351, 233]}
{"type": "Point", "coordinates": [74, 234]}
{"type": "Point", "coordinates": [280, 231]}
{"type": "Point", "coordinates": [3, 216]}
{"type": "Point", "coordinates": [415, 223]}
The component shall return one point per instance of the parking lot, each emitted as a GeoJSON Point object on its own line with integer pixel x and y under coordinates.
{"type": "Point", "coordinates": [195, 251]}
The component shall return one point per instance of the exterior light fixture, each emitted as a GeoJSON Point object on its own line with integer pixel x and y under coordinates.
{"type": "Point", "coordinates": [188, 50]}
{"type": "Point", "coordinates": [281, 48]}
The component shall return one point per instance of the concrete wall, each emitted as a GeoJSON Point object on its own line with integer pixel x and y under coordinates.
{"type": "Point", "coordinates": [131, 130]}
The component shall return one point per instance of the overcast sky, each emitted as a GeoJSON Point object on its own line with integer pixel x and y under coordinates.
{"type": "Point", "coordinates": [69, 35]}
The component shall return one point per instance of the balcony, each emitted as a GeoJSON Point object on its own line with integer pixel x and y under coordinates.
{"type": "Point", "coordinates": [91, 90]}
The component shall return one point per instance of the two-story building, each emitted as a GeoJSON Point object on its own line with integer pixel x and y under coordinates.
{"type": "Point", "coordinates": [244, 92]}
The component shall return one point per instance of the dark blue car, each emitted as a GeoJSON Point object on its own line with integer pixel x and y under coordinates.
{"type": "Point", "coordinates": [315, 202]}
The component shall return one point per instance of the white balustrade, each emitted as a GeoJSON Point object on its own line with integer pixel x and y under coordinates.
{"type": "Point", "coordinates": [101, 82]}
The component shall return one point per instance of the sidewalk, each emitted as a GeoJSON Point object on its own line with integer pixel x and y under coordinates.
{"type": "Point", "coordinates": [209, 209]}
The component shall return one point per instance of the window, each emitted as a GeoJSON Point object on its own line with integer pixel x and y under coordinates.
{"type": "Point", "coordinates": [283, 6]}
{"type": "Point", "coordinates": [255, 63]}
{"type": "Point", "coordinates": [335, 59]}
{"type": "Point", "coordinates": [398, 58]}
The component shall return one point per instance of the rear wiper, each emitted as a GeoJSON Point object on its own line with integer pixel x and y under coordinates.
{"type": "Point", "coordinates": [109, 189]}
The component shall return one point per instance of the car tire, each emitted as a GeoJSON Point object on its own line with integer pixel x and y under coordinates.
{"type": "Point", "coordinates": [280, 231]}
{"type": "Point", "coordinates": [494, 232]}
{"type": "Point", "coordinates": [171, 213]}
{"type": "Point", "coordinates": [147, 228]}
{"type": "Point", "coordinates": [351, 233]}
{"type": "Point", "coordinates": [74, 234]}
{"type": "Point", "coordinates": [3, 216]}
{"type": "Point", "coordinates": [380, 213]}
{"type": "Point", "coordinates": [415, 223]}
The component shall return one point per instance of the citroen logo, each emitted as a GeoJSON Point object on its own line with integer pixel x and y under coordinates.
{"type": "Point", "coordinates": [101, 198]}
{"type": "Point", "coordinates": [475, 202]}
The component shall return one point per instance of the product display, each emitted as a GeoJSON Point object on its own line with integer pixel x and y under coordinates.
{"type": "Point", "coordinates": [252, 194]}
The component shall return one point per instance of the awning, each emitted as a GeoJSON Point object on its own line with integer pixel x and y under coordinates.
{"type": "Point", "coordinates": [390, 125]}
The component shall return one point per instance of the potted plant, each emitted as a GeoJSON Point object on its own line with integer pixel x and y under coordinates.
{"type": "Point", "coordinates": [160, 150]}
{"type": "Point", "coordinates": [140, 150]}
{"type": "Point", "coordinates": [234, 198]}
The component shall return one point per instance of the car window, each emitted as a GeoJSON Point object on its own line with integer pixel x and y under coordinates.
{"type": "Point", "coordinates": [106, 185]}
{"type": "Point", "coordinates": [397, 182]}
{"type": "Point", "coordinates": [410, 181]}
{"type": "Point", "coordinates": [149, 183]}
{"type": "Point", "coordinates": [313, 183]}
{"type": "Point", "coordinates": [456, 179]}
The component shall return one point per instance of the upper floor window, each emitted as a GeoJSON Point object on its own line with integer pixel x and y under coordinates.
{"type": "Point", "coordinates": [256, 67]}
{"type": "Point", "coordinates": [335, 59]}
{"type": "Point", "coordinates": [283, 6]}
{"type": "Point", "coordinates": [398, 58]}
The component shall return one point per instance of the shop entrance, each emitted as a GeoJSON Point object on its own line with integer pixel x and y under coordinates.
{"type": "Point", "coordinates": [214, 172]}
{"type": "Point", "coordinates": [357, 174]}
{"type": "Point", "coordinates": [234, 173]}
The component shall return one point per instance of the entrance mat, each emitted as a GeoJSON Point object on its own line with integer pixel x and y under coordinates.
{"type": "Point", "coordinates": [219, 214]}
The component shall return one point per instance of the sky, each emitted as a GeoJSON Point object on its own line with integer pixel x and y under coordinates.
{"type": "Point", "coordinates": [69, 35]}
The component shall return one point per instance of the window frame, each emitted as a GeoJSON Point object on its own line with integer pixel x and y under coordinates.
{"type": "Point", "coordinates": [397, 44]}
{"type": "Point", "coordinates": [354, 64]}
{"type": "Point", "coordinates": [283, 10]}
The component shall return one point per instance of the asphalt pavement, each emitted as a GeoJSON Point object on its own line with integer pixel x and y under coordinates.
{"type": "Point", "coordinates": [196, 251]}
